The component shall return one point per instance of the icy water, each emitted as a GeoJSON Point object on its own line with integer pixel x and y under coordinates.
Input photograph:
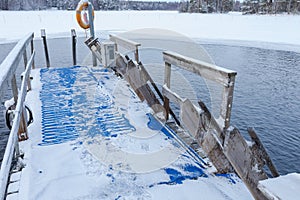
{"type": "Point", "coordinates": [266, 96]}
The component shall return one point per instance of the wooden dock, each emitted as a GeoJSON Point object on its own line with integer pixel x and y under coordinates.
{"type": "Point", "coordinates": [222, 143]}
{"type": "Point", "coordinates": [195, 126]}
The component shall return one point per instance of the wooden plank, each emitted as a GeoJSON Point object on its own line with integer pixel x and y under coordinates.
{"type": "Point", "coordinates": [214, 151]}
{"type": "Point", "coordinates": [206, 70]}
{"type": "Point", "coordinates": [136, 55]}
{"type": "Point", "coordinates": [240, 156]}
{"type": "Point", "coordinates": [211, 122]}
{"type": "Point", "coordinates": [167, 82]}
{"type": "Point", "coordinates": [190, 117]}
{"type": "Point", "coordinates": [172, 95]}
{"type": "Point", "coordinates": [125, 43]}
{"type": "Point", "coordinates": [262, 152]}
{"type": "Point", "coordinates": [226, 105]}
{"type": "Point", "coordinates": [148, 77]}
{"type": "Point", "coordinates": [121, 64]}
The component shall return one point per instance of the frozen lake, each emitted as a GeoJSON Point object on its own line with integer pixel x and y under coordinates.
{"type": "Point", "coordinates": [266, 92]}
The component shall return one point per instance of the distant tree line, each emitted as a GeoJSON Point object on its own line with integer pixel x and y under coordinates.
{"type": "Point", "coordinates": [192, 6]}
{"type": "Point", "coordinates": [208, 6]}
{"type": "Point", "coordinates": [271, 6]}
{"type": "Point", "coordinates": [98, 5]}
{"type": "Point", "coordinates": [247, 7]}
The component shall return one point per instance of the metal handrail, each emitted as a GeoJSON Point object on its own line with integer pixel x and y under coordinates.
{"type": "Point", "coordinates": [9, 66]}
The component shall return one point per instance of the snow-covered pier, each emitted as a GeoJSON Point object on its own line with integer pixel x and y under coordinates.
{"type": "Point", "coordinates": [97, 135]}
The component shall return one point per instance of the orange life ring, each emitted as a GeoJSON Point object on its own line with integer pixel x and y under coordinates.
{"type": "Point", "coordinates": [79, 9]}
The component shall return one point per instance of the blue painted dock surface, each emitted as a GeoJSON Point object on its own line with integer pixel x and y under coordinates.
{"type": "Point", "coordinates": [111, 145]}
{"type": "Point", "coordinates": [63, 101]}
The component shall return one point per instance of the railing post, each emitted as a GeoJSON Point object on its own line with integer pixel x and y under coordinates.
{"type": "Point", "coordinates": [136, 54]}
{"type": "Point", "coordinates": [43, 35]}
{"type": "Point", "coordinates": [226, 105]}
{"type": "Point", "coordinates": [167, 82]}
{"type": "Point", "coordinates": [32, 49]}
{"type": "Point", "coordinates": [73, 33]}
{"type": "Point", "coordinates": [92, 30]}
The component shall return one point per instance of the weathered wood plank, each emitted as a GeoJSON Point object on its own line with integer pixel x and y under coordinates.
{"type": "Point", "coordinates": [209, 122]}
{"type": "Point", "coordinates": [240, 156]}
{"type": "Point", "coordinates": [138, 80]}
{"type": "Point", "coordinates": [227, 99]}
{"type": "Point", "coordinates": [167, 82]}
{"type": "Point", "coordinates": [148, 78]}
{"type": "Point", "coordinates": [214, 151]}
{"type": "Point", "coordinates": [125, 43]}
{"type": "Point", "coordinates": [172, 95]}
{"type": "Point", "coordinates": [190, 117]}
{"type": "Point", "coordinates": [262, 153]}
{"type": "Point", "coordinates": [206, 70]}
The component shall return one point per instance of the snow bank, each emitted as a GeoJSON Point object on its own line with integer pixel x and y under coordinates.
{"type": "Point", "coordinates": [276, 29]}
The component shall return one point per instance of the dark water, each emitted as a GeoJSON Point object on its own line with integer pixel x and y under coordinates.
{"type": "Point", "coordinates": [266, 96]}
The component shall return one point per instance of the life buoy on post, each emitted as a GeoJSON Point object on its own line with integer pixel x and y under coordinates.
{"type": "Point", "coordinates": [81, 7]}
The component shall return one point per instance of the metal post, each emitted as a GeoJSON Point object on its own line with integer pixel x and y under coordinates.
{"type": "Point", "coordinates": [32, 49]}
{"type": "Point", "coordinates": [92, 30]}
{"type": "Point", "coordinates": [73, 33]}
{"type": "Point", "coordinates": [43, 35]}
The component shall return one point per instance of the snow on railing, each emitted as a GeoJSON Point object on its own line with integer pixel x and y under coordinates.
{"type": "Point", "coordinates": [8, 67]}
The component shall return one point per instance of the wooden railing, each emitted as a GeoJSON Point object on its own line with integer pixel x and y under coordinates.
{"type": "Point", "coordinates": [220, 75]}
{"type": "Point", "coordinates": [19, 127]}
{"type": "Point", "coordinates": [127, 44]}
{"type": "Point", "coordinates": [198, 121]}
{"type": "Point", "coordinates": [225, 147]}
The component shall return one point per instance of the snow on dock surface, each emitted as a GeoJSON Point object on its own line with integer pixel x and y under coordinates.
{"type": "Point", "coordinates": [274, 28]}
{"type": "Point", "coordinates": [283, 187]}
{"type": "Point", "coordinates": [93, 139]}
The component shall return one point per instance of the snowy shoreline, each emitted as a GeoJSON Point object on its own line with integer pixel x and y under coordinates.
{"type": "Point", "coordinates": [276, 31]}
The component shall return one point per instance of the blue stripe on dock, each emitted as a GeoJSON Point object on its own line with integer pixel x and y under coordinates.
{"type": "Point", "coordinates": [69, 109]}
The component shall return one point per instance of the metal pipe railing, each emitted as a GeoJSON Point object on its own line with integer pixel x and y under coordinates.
{"type": "Point", "coordinates": [9, 66]}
